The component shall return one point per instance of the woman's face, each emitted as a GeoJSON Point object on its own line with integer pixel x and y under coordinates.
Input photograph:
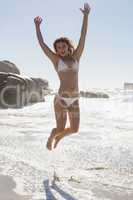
{"type": "Point", "coordinates": [62, 49]}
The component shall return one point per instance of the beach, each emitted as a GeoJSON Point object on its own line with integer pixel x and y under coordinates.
{"type": "Point", "coordinates": [95, 164]}
{"type": "Point", "coordinates": [7, 185]}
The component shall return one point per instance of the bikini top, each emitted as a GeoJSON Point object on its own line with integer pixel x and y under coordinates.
{"type": "Point", "coordinates": [62, 66]}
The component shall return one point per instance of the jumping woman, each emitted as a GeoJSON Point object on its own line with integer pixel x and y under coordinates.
{"type": "Point", "coordinates": [65, 59]}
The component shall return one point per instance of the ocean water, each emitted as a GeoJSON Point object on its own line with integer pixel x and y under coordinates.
{"type": "Point", "coordinates": [95, 164]}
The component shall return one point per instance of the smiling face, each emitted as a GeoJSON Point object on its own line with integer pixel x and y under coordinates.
{"type": "Point", "coordinates": [62, 49]}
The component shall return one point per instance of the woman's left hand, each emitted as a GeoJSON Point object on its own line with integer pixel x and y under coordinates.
{"type": "Point", "coordinates": [86, 9]}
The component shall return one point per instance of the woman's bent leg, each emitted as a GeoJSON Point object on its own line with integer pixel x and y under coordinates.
{"type": "Point", "coordinates": [61, 118]}
{"type": "Point", "coordinates": [74, 118]}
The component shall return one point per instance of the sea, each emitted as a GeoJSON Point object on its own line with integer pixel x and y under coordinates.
{"type": "Point", "coordinates": [94, 164]}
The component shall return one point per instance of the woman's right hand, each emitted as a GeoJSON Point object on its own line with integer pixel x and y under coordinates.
{"type": "Point", "coordinates": [37, 21]}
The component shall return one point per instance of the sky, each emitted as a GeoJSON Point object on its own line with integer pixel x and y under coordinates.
{"type": "Point", "coordinates": [106, 61]}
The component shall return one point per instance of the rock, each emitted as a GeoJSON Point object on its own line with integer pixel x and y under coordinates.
{"type": "Point", "coordinates": [7, 66]}
{"type": "Point", "coordinates": [16, 90]}
{"type": "Point", "coordinates": [102, 95]}
{"type": "Point", "coordinates": [36, 89]}
{"type": "Point", "coordinates": [93, 94]}
{"type": "Point", "coordinates": [12, 91]}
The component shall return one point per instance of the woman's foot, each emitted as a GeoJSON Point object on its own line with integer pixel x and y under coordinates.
{"type": "Point", "coordinates": [50, 139]}
{"type": "Point", "coordinates": [58, 138]}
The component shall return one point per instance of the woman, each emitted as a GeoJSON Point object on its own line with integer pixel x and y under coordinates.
{"type": "Point", "coordinates": [66, 63]}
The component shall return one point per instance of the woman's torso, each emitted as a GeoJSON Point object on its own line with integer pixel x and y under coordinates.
{"type": "Point", "coordinates": [67, 69]}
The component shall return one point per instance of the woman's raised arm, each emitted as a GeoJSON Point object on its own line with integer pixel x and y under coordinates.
{"type": "Point", "coordinates": [48, 52]}
{"type": "Point", "coordinates": [78, 51]}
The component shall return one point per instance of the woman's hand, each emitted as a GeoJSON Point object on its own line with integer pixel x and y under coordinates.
{"type": "Point", "coordinates": [38, 21]}
{"type": "Point", "coordinates": [86, 9]}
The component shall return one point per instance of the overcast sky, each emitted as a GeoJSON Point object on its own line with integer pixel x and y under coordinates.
{"type": "Point", "coordinates": [106, 61]}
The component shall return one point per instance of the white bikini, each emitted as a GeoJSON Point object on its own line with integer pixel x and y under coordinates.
{"type": "Point", "coordinates": [63, 67]}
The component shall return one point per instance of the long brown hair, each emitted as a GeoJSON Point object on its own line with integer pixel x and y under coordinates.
{"type": "Point", "coordinates": [67, 41]}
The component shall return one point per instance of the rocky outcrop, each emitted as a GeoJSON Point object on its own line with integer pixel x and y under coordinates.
{"type": "Point", "coordinates": [7, 66]}
{"type": "Point", "coordinates": [93, 94]}
{"type": "Point", "coordinates": [17, 91]}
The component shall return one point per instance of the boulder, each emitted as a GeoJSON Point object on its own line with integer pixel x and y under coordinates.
{"type": "Point", "coordinates": [93, 94]}
{"type": "Point", "coordinates": [12, 90]}
{"type": "Point", "coordinates": [17, 90]}
{"type": "Point", "coordinates": [7, 66]}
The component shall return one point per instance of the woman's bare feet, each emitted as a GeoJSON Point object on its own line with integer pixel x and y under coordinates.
{"type": "Point", "coordinates": [61, 135]}
{"type": "Point", "coordinates": [57, 139]}
{"type": "Point", "coordinates": [50, 139]}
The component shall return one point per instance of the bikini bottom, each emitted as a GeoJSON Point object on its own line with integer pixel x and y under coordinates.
{"type": "Point", "coordinates": [67, 101]}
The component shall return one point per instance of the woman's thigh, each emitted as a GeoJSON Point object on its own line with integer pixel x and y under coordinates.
{"type": "Point", "coordinates": [74, 116]}
{"type": "Point", "coordinates": [60, 114]}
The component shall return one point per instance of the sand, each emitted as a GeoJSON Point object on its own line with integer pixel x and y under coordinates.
{"type": "Point", "coordinates": [7, 186]}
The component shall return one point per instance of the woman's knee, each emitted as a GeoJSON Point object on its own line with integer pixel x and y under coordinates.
{"type": "Point", "coordinates": [60, 129]}
{"type": "Point", "coordinates": [75, 129]}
